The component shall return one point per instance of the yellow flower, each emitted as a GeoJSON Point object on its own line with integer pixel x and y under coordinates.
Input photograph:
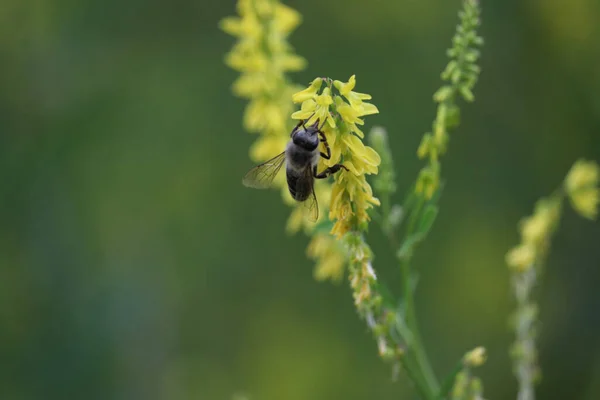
{"type": "Point", "coordinates": [314, 106]}
{"type": "Point", "coordinates": [536, 229]}
{"type": "Point", "coordinates": [329, 256]}
{"type": "Point", "coordinates": [521, 258]}
{"type": "Point", "coordinates": [583, 174]}
{"type": "Point", "coordinates": [286, 19]}
{"type": "Point", "coordinates": [355, 107]}
{"type": "Point", "coordinates": [308, 93]}
{"type": "Point", "coordinates": [581, 185]}
{"type": "Point", "coordinates": [267, 146]}
{"type": "Point", "coordinates": [352, 195]}
{"type": "Point", "coordinates": [263, 56]}
{"type": "Point", "coordinates": [585, 202]}
{"type": "Point", "coordinates": [355, 98]}
{"type": "Point", "coordinates": [247, 26]}
{"type": "Point", "coordinates": [475, 357]}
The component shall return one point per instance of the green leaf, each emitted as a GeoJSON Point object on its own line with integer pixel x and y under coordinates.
{"type": "Point", "coordinates": [406, 250]}
{"type": "Point", "coordinates": [427, 219]}
{"type": "Point", "coordinates": [410, 200]}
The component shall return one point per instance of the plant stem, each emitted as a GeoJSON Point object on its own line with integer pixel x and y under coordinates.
{"type": "Point", "coordinates": [416, 344]}
{"type": "Point", "coordinates": [416, 376]}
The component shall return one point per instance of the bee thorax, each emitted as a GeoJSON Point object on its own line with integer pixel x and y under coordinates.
{"type": "Point", "coordinates": [299, 158]}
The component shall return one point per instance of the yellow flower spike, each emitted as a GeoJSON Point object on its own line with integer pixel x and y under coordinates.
{"type": "Point", "coordinates": [521, 258]}
{"type": "Point", "coordinates": [351, 194]}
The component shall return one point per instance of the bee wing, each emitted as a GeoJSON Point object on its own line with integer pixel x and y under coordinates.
{"type": "Point", "coordinates": [311, 206]}
{"type": "Point", "coordinates": [261, 176]}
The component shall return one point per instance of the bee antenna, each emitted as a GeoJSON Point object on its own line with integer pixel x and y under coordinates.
{"type": "Point", "coordinates": [321, 128]}
{"type": "Point", "coordinates": [308, 119]}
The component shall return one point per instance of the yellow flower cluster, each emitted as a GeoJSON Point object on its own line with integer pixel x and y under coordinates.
{"type": "Point", "coordinates": [581, 185]}
{"type": "Point", "coordinates": [329, 257]}
{"type": "Point", "coordinates": [475, 357]}
{"type": "Point", "coordinates": [466, 386]}
{"type": "Point", "coordinates": [535, 233]}
{"type": "Point", "coordinates": [263, 56]}
{"type": "Point", "coordinates": [341, 108]}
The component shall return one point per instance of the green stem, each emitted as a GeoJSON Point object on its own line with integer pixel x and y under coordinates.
{"type": "Point", "coordinates": [416, 344]}
{"type": "Point", "coordinates": [415, 375]}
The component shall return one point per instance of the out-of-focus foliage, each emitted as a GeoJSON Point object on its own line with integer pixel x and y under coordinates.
{"type": "Point", "coordinates": [131, 265]}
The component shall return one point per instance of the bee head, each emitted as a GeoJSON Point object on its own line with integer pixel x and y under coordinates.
{"type": "Point", "coordinates": [307, 137]}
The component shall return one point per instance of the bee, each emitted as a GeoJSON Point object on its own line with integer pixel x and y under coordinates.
{"type": "Point", "coordinates": [301, 157]}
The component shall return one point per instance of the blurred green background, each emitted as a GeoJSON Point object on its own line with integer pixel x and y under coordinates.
{"type": "Point", "coordinates": [134, 265]}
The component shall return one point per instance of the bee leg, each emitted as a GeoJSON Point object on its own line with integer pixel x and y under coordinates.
{"type": "Point", "coordinates": [327, 155]}
{"type": "Point", "coordinates": [329, 171]}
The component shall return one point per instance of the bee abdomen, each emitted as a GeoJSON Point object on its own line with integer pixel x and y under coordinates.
{"type": "Point", "coordinates": [299, 186]}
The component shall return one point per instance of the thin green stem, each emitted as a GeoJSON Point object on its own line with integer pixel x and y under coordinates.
{"type": "Point", "coordinates": [414, 373]}
{"type": "Point", "coordinates": [416, 344]}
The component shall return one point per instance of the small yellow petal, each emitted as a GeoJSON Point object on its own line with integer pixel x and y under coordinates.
{"type": "Point", "coordinates": [308, 93]}
{"type": "Point", "coordinates": [355, 145]}
{"type": "Point", "coordinates": [324, 99]}
{"type": "Point", "coordinates": [306, 110]}
{"type": "Point", "coordinates": [356, 171]}
{"type": "Point", "coordinates": [286, 18]}
{"type": "Point", "coordinates": [291, 62]}
{"type": "Point", "coordinates": [349, 114]}
{"type": "Point", "coordinates": [231, 25]}
{"type": "Point", "coordinates": [371, 157]}
{"type": "Point", "coordinates": [368, 109]}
